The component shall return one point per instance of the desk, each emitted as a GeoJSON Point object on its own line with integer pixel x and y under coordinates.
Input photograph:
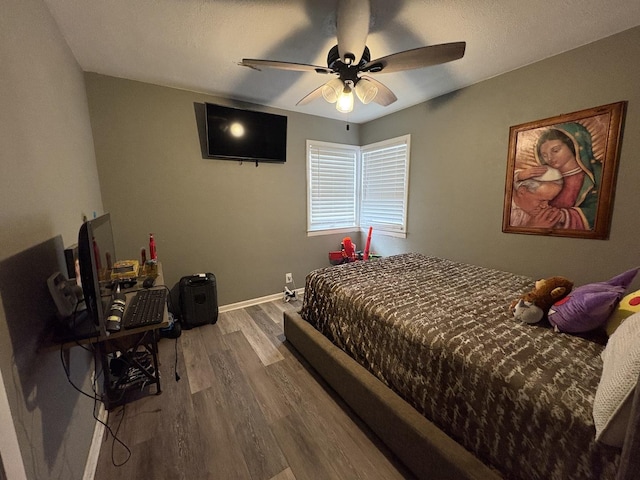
{"type": "Point", "coordinates": [129, 361]}
{"type": "Point", "coordinates": [128, 358]}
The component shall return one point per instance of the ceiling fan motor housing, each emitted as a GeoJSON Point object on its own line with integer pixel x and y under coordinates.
{"type": "Point", "coordinates": [346, 71]}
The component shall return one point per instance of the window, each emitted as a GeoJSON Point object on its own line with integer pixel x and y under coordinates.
{"type": "Point", "coordinates": [331, 186]}
{"type": "Point", "coordinates": [384, 185]}
{"type": "Point", "coordinates": [349, 187]}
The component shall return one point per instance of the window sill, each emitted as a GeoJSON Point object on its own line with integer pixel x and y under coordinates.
{"type": "Point", "coordinates": [386, 233]}
{"type": "Point", "coordinates": [316, 233]}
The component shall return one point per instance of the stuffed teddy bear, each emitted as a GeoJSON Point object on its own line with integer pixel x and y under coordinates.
{"type": "Point", "coordinates": [534, 305]}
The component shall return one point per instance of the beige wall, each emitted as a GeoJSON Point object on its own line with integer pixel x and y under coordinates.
{"type": "Point", "coordinates": [459, 154]}
{"type": "Point", "coordinates": [48, 176]}
{"type": "Point", "coordinates": [246, 224]}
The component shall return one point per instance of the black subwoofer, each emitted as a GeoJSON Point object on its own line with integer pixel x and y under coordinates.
{"type": "Point", "coordinates": [198, 300]}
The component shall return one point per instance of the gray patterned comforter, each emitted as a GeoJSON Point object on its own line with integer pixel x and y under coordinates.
{"type": "Point", "coordinates": [440, 334]}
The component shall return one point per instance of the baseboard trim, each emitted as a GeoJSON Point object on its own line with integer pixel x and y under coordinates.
{"type": "Point", "coordinates": [96, 444]}
{"type": "Point", "coordinates": [257, 301]}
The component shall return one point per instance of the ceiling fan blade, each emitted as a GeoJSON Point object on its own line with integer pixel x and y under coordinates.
{"type": "Point", "coordinates": [352, 21]}
{"type": "Point", "coordinates": [300, 67]}
{"type": "Point", "coordinates": [314, 95]}
{"type": "Point", "coordinates": [416, 58]}
{"type": "Point", "coordinates": [384, 96]}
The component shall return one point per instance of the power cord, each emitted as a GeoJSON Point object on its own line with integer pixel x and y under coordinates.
{"type": "Point", "coordinates": [116, 439]}
{"type": "Point", "coordinates": [171, 309]}
{"type": "Point", "coordinates": [175, 366]}
{"type": "Point", "coordinates": [95, 399]}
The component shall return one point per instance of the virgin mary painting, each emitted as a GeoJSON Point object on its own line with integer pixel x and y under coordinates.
{"type": "Point", "coordinates": [556, 187]}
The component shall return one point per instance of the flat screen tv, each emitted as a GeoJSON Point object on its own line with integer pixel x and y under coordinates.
{"type": "Point", "coordinates": [236, 134]}
{"type": "Point", "coordinates": [96, 254]}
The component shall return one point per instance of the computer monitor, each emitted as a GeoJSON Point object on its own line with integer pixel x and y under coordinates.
{"type": "Point", "coordinates": [96, 254]}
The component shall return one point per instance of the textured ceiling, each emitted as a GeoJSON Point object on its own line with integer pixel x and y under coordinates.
{"type": "Point", "coordinates": [197, 44]}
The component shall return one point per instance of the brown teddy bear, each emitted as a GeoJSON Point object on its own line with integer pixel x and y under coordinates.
{"type": "Point", "coordinates": [534, 305]}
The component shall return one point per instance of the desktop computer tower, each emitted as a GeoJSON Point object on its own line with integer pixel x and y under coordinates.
{"type": "Point", "coordinates": [198, 300]}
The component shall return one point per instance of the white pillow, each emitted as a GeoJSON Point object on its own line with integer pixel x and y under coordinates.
{"type": "Point", "coordinates": [620, 370]}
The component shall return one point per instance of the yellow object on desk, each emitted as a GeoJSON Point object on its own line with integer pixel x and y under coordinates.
{"type": "Point", "coordinates": [123, 269]}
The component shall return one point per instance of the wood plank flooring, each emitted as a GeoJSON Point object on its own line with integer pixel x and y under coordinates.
{"type": "Point", "coordinates": [247, 406]}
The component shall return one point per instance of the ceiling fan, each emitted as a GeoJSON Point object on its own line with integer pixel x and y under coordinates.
{"type": "Point", "coordinates": [350, 60]}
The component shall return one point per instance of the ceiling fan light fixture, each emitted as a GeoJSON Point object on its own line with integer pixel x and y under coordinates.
{"type": "Point", "coordinates": [366, 90]}
{"type": "Point", "coordinates": [352, 21]}
{"type": "Point", "coordinates": [332, 90]}
{"type": "Point", "coordinates": [345, 100]}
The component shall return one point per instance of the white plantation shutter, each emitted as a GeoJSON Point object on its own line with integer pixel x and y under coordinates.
{"type": "Point", "coordinates": [331, 186]}
{"type": "Point", "coordinates": [384, 185]}
{"type": "Point", "coordinates": [350, 187]}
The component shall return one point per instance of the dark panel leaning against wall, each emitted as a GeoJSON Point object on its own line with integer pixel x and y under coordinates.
{"type": "Point", "coordinates": [43, 404]}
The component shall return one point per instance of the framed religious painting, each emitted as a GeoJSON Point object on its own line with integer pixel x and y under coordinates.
{"type": "Point", "coordinates": [561, 174]}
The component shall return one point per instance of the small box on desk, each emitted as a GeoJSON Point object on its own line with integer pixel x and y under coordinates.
{"type": "Point", "coordinates": [198, 300]}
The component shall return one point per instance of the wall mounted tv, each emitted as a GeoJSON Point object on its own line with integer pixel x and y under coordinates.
{"type": "Point", "coordinates": [237, 134]}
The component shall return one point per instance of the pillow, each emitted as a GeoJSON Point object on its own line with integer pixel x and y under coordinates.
{"type": "Point", "coordinates": [589, 306]}
{"type": "Point", "coordinates": [627, 307]}
{"type": "Point", "coordinates": [620, 370]}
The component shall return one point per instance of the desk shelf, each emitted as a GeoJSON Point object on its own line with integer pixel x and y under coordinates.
{"type": "Point", "coordinates": [130, 367]}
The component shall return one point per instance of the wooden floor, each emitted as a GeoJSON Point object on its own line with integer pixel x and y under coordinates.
{"type": "Point", "coordinates": [247, 406]}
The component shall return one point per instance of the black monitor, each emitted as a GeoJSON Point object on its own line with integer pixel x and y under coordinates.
{"type": "Point", "coordinates": [96, 254]}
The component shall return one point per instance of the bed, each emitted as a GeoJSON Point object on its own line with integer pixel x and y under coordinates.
{"type": "Point", "coordinates": [426, 352]}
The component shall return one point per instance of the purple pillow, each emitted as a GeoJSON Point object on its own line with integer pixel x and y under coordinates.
{"type": "Point", "coordinates": [589, 306]}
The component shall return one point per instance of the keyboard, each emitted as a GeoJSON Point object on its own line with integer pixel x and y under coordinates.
{"type": "Point", "coordinates": [146, 308]}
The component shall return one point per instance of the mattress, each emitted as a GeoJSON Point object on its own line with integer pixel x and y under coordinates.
{"type": "Point", "coordinates": [440, 334]}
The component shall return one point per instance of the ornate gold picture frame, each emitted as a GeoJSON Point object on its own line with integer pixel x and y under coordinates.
{"type": "Point", "coordinates": [561, 174]}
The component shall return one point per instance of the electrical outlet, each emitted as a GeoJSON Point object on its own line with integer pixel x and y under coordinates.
{"type": "Point", "coordinates": [288, 277]}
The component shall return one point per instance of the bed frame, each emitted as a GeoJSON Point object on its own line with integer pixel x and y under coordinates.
{"type": "Point", "coordinates": [425, 449]}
